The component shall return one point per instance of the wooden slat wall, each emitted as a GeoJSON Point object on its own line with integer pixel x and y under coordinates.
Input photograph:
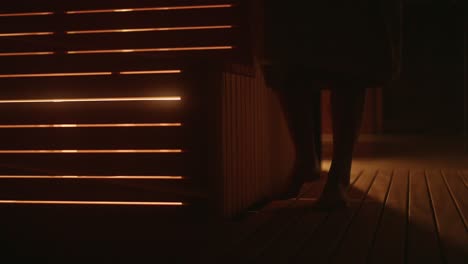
{"type": "Point", "coordinates": [120, 54]}
{"type": "Point", "coordinates": [257, 150]}
{"type": "Point", "coordinates": [53, 49]}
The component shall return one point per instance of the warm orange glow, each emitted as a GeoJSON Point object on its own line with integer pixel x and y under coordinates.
{"type": "Point", "coordinates": [139, 177]}
{"type": "Point", "coordinates": [25, 34]}
{"type": "Point", "coordinates": [63, 74]}
{"type": "Point", "coordinates": [33, 53]}
{"type": "Point", "coordinates": [146, 29]}
{"type": "Point", "coordinates": [165, 8]}
{"type": "Point", "coordinates": [26, 14]}
{"type": "Point", "coordinates": [150, 50]}
{"type": "Point", "coordinates": [92, 203]}
{"type": "Point", "coordinates": [72, 100]}
{"type": "Point", "coordinates": [71, 74]}
{"type": "Point", "coordinates": [150, 72]}
{"type": "Point", "coordinates": [93, 125]}
{"type": "Point", "coordinates": [90, 151]}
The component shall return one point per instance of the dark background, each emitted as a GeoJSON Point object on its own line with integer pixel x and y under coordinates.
{"type": "Point", "coordinates": [429, 98]}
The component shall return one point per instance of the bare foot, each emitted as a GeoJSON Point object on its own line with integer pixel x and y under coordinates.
{"type": "Point", "coordinates": [301, 174]}
{"type": "Point", "coordinates": [330, 204]}
{"type": "Point", "coordinates": [334, 196]}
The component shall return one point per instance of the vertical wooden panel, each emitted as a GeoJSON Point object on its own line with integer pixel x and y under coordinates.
{"type": "Point", "coordinates": [246, 135]}
{"type": "Point", "coordinates": [250, 143]}
{"type": "Point", "coordinates": [249, 131]}
{"type": "Point", "coordinates": [226, 144]}
{"type": "Point", "coordinates": [379, 110]}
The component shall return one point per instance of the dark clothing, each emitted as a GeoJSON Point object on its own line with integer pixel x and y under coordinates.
{"type": "Point", "coordinates": [329, 41]}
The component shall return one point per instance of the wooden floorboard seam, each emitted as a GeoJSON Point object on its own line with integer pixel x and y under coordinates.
{"type": "Point", "coordinates": [455, 200]}
{"type": "Point", "coordinates": [290, 221]}
{"type": "Point", "coordinates": [390, 241]}
{"type": "Point", "coordinates": [284, 249]}
{"type": "Point", "coordinates": [338, 244]}
{"type": "Point", "coordinates": [357, 242]}
{"type": "Point", "coordinates": [379, 222]}
{"type": "Point", "coordinates": [407, 223]}
{"type": "Point", "coordinates": [422, 246]}
{"type": "Point", "coordinates": [464, 177]}
{"type": "Point", "coordinates": [281, 229]}
{"type": "Point", "coordinates": [273, 237]}
{"type": "Point", "coordinates": [434, 217]}
{"type": "Point", "coordinates": [310, 242]}
{"type": "Point", "coordinates": [234, 244]}
{"type": "Point", "coordinates": [264, 248]}
{"type": "Point", "coordinates": [450, 225]}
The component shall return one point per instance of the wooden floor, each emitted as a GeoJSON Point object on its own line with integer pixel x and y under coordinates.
{"type": "Point", "coordinates": [397, 215]}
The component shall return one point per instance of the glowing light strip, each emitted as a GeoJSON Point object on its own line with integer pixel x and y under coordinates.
{"type": "Point", "coordinates": [139, 177]}
{"type": "Point", "coordinates": [26, 14]}
{"type": "Point", "coordinates": [92, 203]}
{"type": "Point", "coordinates": [71, 74]}
{"type": "Point", "coordinates": [150, 72]}
{"type": "Point", "coordinates": [93, 125]}
{"type": "Point", "coordinates": [90, 151]}
{"type": "Point", "coordinates": [165, 8]}
{"type": "Point", "coordinates": [146, 29]}
{"type": "Point", "coordinates": [33, 53]}
{"type": "Point", "coordinates": [123, 99]}
{"type": "Point", "coordinates": [64, 74]}
{"type": "Point", "coordinates": [25, 34]}
{"type": "Point", "coordinates": [150, 50]}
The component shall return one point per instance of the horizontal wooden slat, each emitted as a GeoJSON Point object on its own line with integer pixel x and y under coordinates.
{"type": "Point", "coordinates": [156, 39]}
{"type": "Point", "coordinates": [189, 55]}
{"type": "Point", "coordinates": [45, 5]}
{"type": "Point", "coordinates": [138, 40]}
{"type": "Point", "coordinates": [109, 62]}
{"type": "Point", "coordinates": [29, 44]}
{"type": "Point", "coordinates": [95, 190]}
{"type": "Point", "coordinates": [93, 86]}
{"type": "Point", "coordinates": [179, 18]}
{"type": "Point", "coordinates": [94, 164]}
{"type": "Point", "coordinates": [120, 20]}
{"type": "Point", "coordinates": [91, 112]}
{"type": "Point", "coordinates": [92, 138]}
{"type": "Point", "coordinates": [29, 23]}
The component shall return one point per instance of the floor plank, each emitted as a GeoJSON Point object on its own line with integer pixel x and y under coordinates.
{"type": "Point", "coordinates": [288, 231]}
{"type": "Point", "coordinates": [458, 192]}
{"type": "Point", "coordinates": [465, 178]}
{"type": "Point", "coordinates": [284, 246]}
{"type": "Point", "coordinates": [358, 239]}
{"type": "Point", "coordinates": [249, 247]}
{"type": "Point", "coordinates": [423, 245]}
{"type": "Point", "coordinates": [320, 246]}
{"type": "Point", "coordinates": [312, 190]}
{"type": "Point", "coordinates": [389, 244]}
{"type": "Point", "coordinates": [452, 232]}
{"type": "Point", "coordinates": [244, 230]}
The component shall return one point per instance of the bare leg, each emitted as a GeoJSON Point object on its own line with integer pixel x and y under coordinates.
{"type": "Point", "coordinates": [347, 107]}
{"type": "Point", "coordinates": [301, 126]}
{"type": "Point", "coordinates": [296, 103]}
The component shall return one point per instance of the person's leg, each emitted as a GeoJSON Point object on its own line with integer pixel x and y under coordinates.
{"type": "Point", "coordinates": [296, 99]}
{"type": "Point", "coordinates": [347, 103]}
